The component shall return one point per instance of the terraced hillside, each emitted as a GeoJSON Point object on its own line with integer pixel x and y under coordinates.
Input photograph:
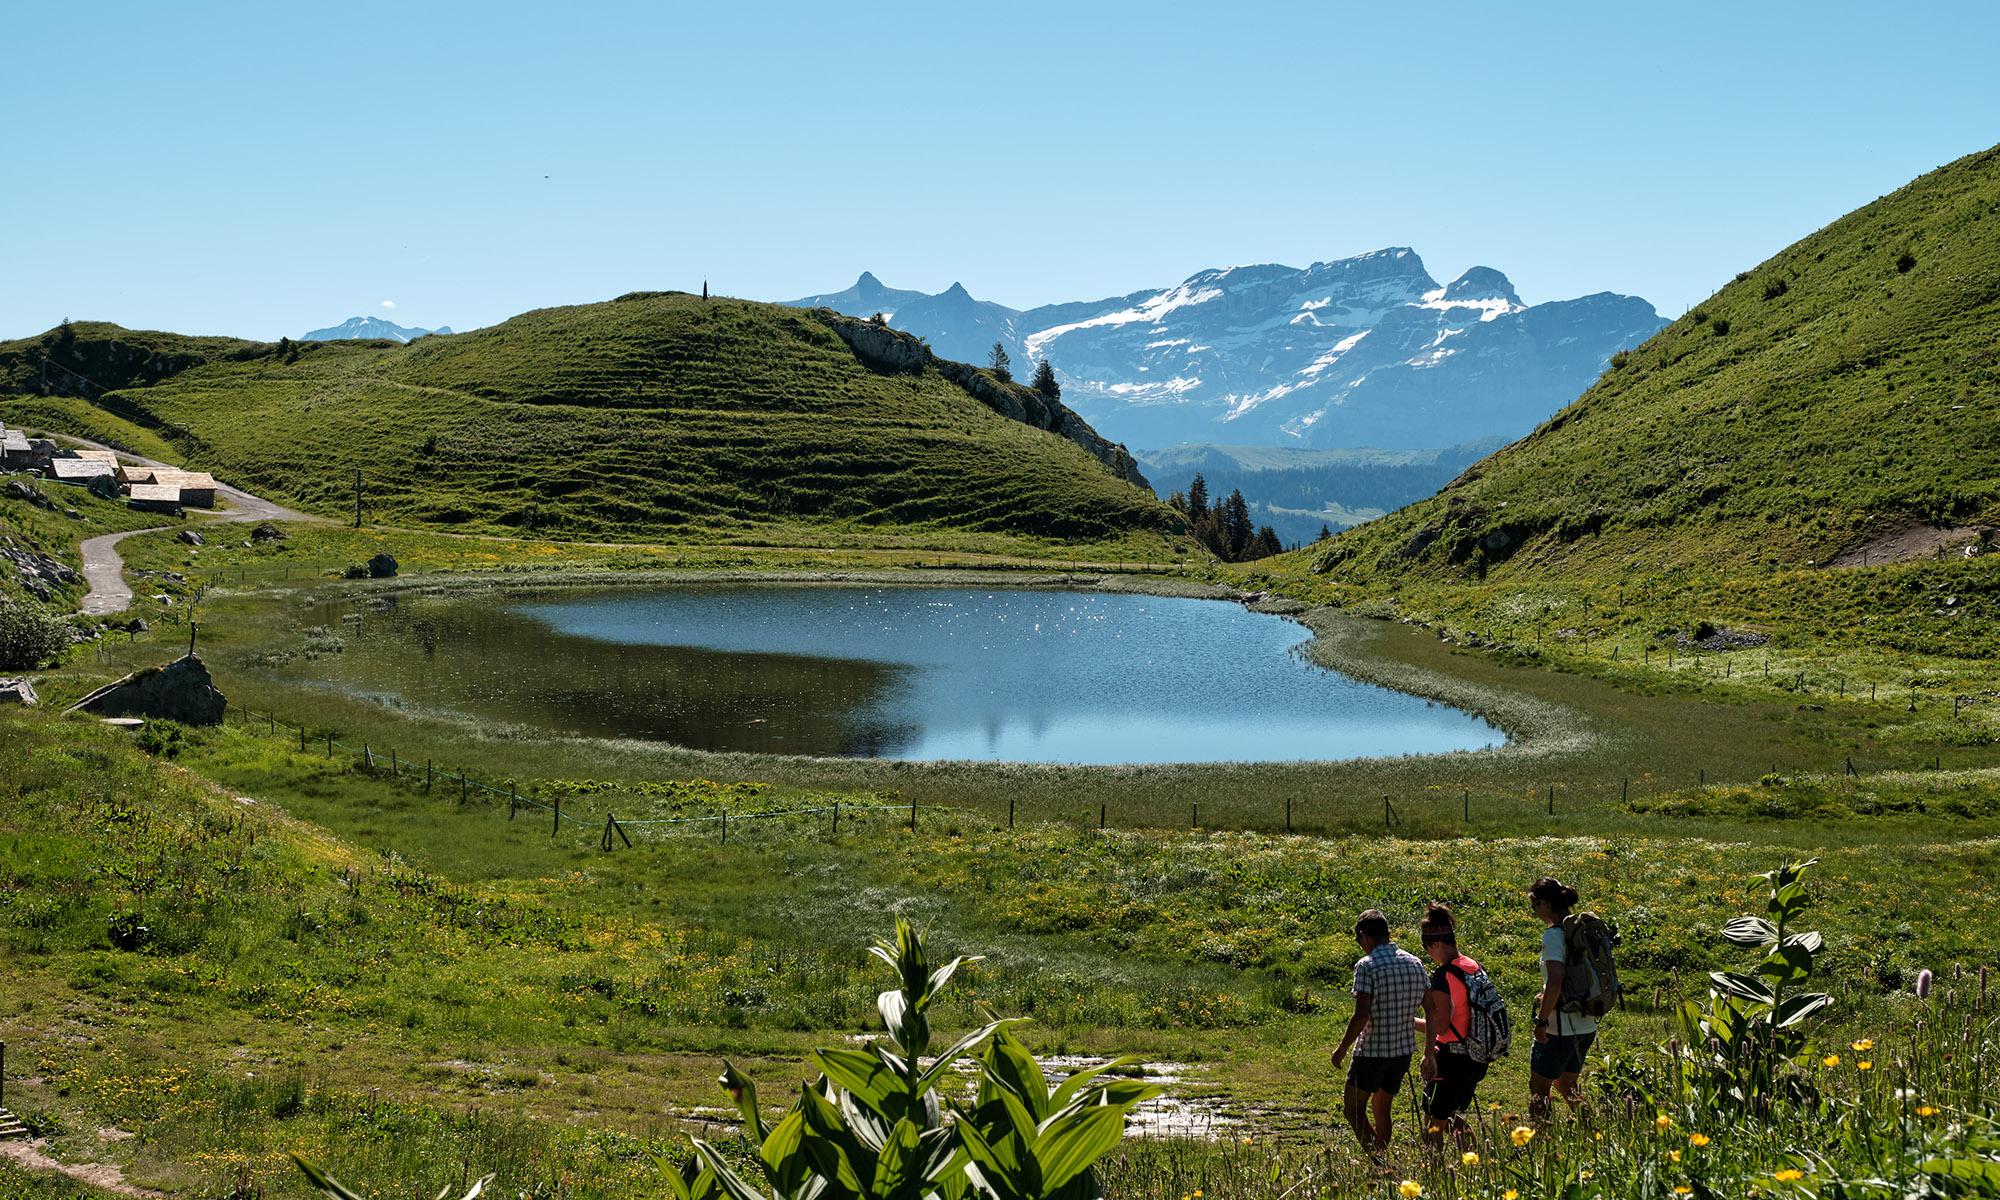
{"type": "Point", "coordinates": [1840, 401]}
{"type": "Point", "coordinates": [658, 415]}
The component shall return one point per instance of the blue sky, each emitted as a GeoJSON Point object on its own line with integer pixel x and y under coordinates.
{"type": "Point", "coordinates": [265, 169]}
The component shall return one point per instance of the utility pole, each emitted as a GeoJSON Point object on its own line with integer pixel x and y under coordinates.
{"type": "Point", "coordinates": [357, 497]}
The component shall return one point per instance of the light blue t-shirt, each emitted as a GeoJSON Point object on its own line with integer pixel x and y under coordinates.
{"type": "Point", "coordinates": [1555, 948]}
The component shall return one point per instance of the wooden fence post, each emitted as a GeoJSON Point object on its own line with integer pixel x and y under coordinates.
{"type": "Point", "coordinates": [1288, 814]}
{"type": "Point", "coordinates": [461, 787]}
{"type": "Point", "coordinates": [513, 800]}
{"type": "Point", "coordinates": [1100, 817]}
{"type": "Point", "coordinates": [913, 814]}
{"type": "Point", "coordinates": [1010, 812]}
{"type": "Point", "coordinates": [1468, 803]}
{"type": "Point", "coordinates": [1194, 816]}
{"type": "Point", "coordinates": [1625, 790]}
{"type": "Point", "coordinates": [555, 824]}
{"type": "Point", "coordinates": [836, 817]}
{"type": "Point", "coordinates": [302, 739]}
{"type": "Point", "coordinates": [1552, 799]}
{"type": "Point", "coordinates": [725, 827]}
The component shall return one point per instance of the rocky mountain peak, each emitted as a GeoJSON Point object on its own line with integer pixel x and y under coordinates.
{"type": "Point", "coordinates": [1482, 283]}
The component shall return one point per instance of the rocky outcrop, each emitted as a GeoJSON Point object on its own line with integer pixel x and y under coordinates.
{"type": "Point", "coordinates": [40, 574]}
{"type": "Point", "coordinates": [180, 691]}
{"type": "Point", "coordinates": [884, 349]}
{"type": "Point", "coordinates": [18, 691]}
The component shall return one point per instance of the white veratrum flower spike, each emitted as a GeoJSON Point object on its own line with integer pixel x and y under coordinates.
{"type": "Point", "coordinates": [1924, 979]}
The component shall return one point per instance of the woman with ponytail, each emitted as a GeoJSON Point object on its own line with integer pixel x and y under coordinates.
{"type": "Point", "coordinates": [1562, 1039]}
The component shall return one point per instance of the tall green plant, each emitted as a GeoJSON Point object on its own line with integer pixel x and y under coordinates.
{"type": "Point", "coordinates": [1740, 1047]}
{"type": "Point", "coordinates": [877, 1124]}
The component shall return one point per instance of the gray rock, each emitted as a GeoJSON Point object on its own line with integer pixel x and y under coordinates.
{"type": "Point", "coordinates": [72, 514]}
{"type": "Point", "coordinates": [190, 537]}
{"type": "Point", "coordinates": [267, 532]}
{"type": "Point", "coordinates": [18, 691]}
{"type": "Point", "coordinates": [180, 691]}
{"type": "Point", "coordinates": [18, 489]}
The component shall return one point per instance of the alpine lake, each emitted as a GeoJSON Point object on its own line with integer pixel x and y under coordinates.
{"type": "Point", "coordinates": [912, 673]}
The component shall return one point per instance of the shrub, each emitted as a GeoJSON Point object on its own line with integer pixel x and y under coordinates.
{"type": "Point", "coordinates": [1905, 262]}
{"type": "Point", "coordinates": [29, 637]}
{"type": "Point", "coordinates": [1721, 326]}
{"type": "Point", "coordinates": [355, 571]}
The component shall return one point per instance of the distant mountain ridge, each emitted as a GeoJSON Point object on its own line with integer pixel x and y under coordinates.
{"type": "Point", "coordinates": [1837, 404]}
{"type": "Point", "coordinates": [370, 328]}
{"type": "Point", "coordinates": [1363, 351]}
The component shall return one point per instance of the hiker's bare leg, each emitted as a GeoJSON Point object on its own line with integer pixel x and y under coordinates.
{"type": "Point", "coordinates": [1354, 1103]}
{"type": "Point", "coordinates": [1538, 1096]}
{"type": "Point", "coordinates": [1384, 1104]}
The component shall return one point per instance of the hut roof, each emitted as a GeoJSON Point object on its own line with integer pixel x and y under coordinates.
{"type": "Point", "coordinates": [157, 493]}
{"type": "Point", "coordinates": [185, 480]}
{"type": "Point", "coordinates": [79, 468]}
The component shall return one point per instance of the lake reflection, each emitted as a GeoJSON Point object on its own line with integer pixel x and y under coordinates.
{"type": "Point", "coordinates": [916, 673]}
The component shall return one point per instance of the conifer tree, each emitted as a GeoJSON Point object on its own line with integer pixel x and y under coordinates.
{"type": "Point", "coordinates": [1236, 527]}
{"type": "Point", "coordinates": [1197, 498]}
{"type": "Point", "coordinates": [1045, 380]}
{"type": "Point", "coordinates": [1001, 365]}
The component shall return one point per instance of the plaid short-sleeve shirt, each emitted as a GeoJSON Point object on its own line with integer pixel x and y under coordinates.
{"type": "Point", "coordinates": [1396, 980]}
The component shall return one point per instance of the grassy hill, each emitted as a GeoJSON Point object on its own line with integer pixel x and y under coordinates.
{"type": "Point", "coordinates": [1844, 389]}
{"type": "Point", "coordinates": [655, 416]}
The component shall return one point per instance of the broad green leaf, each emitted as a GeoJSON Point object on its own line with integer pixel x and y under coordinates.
{"type": "Point", "coordinates": [830, 1145]}
{"type": "Point", "coordinates": [1979, 1172]}
{"type": "Point", "coordinates": [1798, 1008]}
{"type": "Point", "coordinates": [1072, 1142]}
{"type": "Point", "coordinates": [899, 1170]}
{"type": "Point", "coordinates": [1749, 987]}
{"type": "Point", "coordinates": [866, 1077]}
{"type": "Point", "coordinates": [733, 1185]}
{"type": "Point", "coordinates": [943, 975]}
{"type": "Point", "coordinates": [322, 1181]}
{"type": "Point", "coordinates": [1788, 963]}
{"type": "Point", "coordinates": [1750, 931]}
{"type": "Point", "coordinates": [743, 1093]}
{"type": "Point", "coordinates": [1008, 1064]}
{"type": "Point", "coordinates": [1068, 1089]}
{"type": "Point", "coordinates": [997, 1167]}
{"type": "Point", "coordinates": [937, 1070]}
{"type": "Point", "coordinates": [783, 1153]}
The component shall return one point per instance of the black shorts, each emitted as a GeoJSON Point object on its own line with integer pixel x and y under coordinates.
{"type": "Point", "coordinates": [1377, 1074]}
{"type": "Point", "coordinates": [1451, 1092]}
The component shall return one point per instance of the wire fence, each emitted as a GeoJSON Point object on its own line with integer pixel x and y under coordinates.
{"type": "Point", "coordinates": [610, 831]}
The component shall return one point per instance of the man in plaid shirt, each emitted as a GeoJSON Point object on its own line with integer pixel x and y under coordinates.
{"type": "Point", "coordinates": [1389, 988]}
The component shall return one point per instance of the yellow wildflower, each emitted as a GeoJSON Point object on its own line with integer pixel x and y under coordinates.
{"type": "Point", "coordinates": [1522, 1135]}
{"type": "Point", "coordinates": [1927, 1110]}
{"type": "Point", "coordinates": [1410, 1189]}
{"type": "Point", "coordinates": [1673, 1156]}
{"type": "Point", "coordinates": [1697, 1139]}
{"type": "Point", "coordinates": [1469, 1159]}
{"type": "Point", "coordinates": [1864, 1065]}
{"type": "Point", "coordinates": [1663, 1122]}
{"type": "Point", "coordinates": [1682, 1189]}
{"type": "Point", "coordinates": [1789, 1175]}
{"type": "Point", "coordinates": [1510, 1194]}
{"type": "Point", "coordinates": [1831, 1060]}
{"type": "Point", "coordinates": [1862, 1046]}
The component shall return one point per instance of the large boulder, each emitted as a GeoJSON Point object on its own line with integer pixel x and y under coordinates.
{"type": "Point", "coordinates": [18, 691]}
{"type": "Point", "coordinates": [191, 538]}
{"type": "Point", "coordinates": [180, 691]}
{"type": "Point", "coordinates": [382, 566]}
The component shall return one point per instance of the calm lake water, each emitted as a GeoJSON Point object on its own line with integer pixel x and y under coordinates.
{"type": "Point", "coordinates": [914, 673]}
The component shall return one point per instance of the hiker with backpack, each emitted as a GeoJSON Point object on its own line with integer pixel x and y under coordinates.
{"type": "Point", "coordinates": [1466, 1027]}
{"type": "Point", "coordinates": [1579, 985]}
{"type": "Point", "coordinates": [1388, 993]}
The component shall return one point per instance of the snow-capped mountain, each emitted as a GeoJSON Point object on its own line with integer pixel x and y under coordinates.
{"type": "Point", "coordinates": [369, 327]}
{"type": "Point", "coordinates": [1363, 351]}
